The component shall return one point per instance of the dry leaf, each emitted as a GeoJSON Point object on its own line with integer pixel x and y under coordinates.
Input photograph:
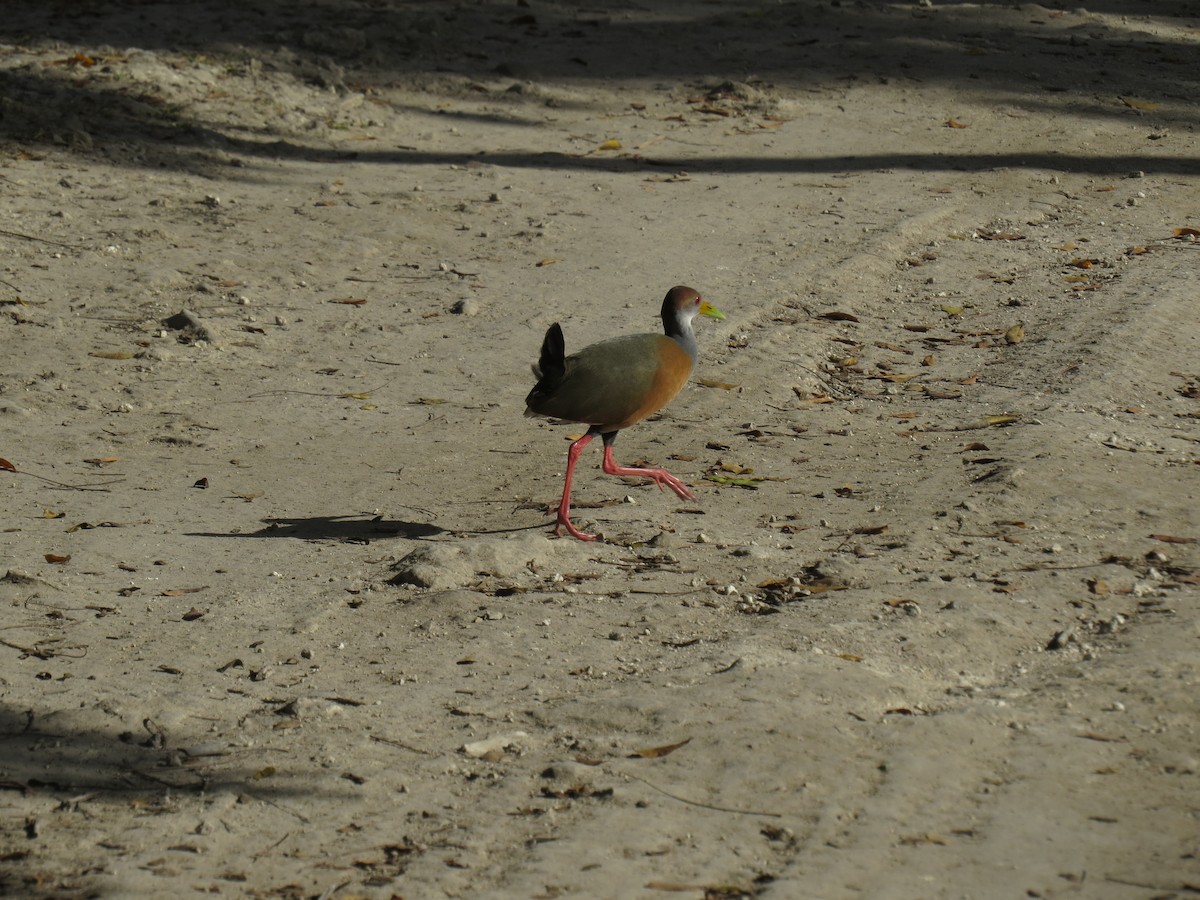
{"type": "Point", "coordinates": [1080, 263]}
{"type": "Point", "coordinates": [1098, 586]}
{"type": "Point", "coordinates": [1172, 539]}
{"type": "Point", "coordinates": [493, 749]}
{"type": "Point", "coordinates": [102, 460]}
{"type": "Point", "coordinates": [179, 592]}
{"type": "Point", "coordinates": [805, 397]}
{"type": "Point", "coordinates": [51, 514]}
{"type": "Point", "coordinates": [839, 316]}
{"type": "Point", "coordinates": [1002, 236]}
{"type": "Point", "coordinates": [1144, 105]}
{"type": "Point", "coordinates": [349, 301]}
{"type": "Point", "coordinates": [193, 614]}
{"type": "Point", "coordinates": [735, 468]}
{"type": "Point", "coordinates": [952, 310]}
{"type": "Point", "coordinates": [871, 529]}
{"type": "Point", "coordinates": [927, 838]}
{"type": "Point", "coordinates": [111, 354]}
{"type": "Point", "coordinates": [1068, 246]}
{"type": "Point", "coordinates": [545, 262]}
{"type": "Point", "coordinates": [1185, 232]}
{"type": "Point", "coordinates": [57, 559]}
{"type": "Point", "coordinates": [7, 466]}
{"type": "Point", "coordinates": [991, 421]}
{"type": "Point", "coordinates": [363, 395]}
{"type": "Point", "coordinates": [928, 360]}
{"type": "Point", "coordinates": [1016, 334]}
{"type": "Point", "coordinates": [681, 887]}
{"type": "Point", "coordinates": [974, 446]}
{"type": "Point", "coordinates": [656, 752]}
{"type": "Point", "coordinates": [776, 583]}
{"type": "Point", "coordinates": [611, 144]}
{"type": "Point", "coordinates": [954, 123]}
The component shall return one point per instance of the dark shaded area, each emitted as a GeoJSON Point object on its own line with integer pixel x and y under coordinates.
{"type": "Point", "coordinates": [352, 529]}
{"type": "Point", "coordinates": [44, 758]}
{"type": "Point", "coordinates": [67, 772]}
{"type": "Point", "coordinates": [1057, 58]}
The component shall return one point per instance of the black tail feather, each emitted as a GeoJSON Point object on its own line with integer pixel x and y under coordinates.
{"type": "Point", "coordinates": [549, 369]}
{"type": "Point", "coordinates": [550, 365]}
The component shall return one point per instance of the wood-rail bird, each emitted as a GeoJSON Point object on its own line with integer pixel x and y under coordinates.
{"type": "Point", "coordinates": [612, 384]}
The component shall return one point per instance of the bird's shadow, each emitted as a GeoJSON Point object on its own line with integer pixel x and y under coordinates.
{"type": "Point", "coordinates": [351, 529]}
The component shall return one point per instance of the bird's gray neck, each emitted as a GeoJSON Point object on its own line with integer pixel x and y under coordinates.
{"type": "Point", "coordinates": [685, 338]}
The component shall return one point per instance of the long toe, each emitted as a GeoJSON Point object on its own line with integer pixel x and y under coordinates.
{"type": "Point", "coordinates": [565, 522]}
{"type": "Point", "coordinates": [676, 485]}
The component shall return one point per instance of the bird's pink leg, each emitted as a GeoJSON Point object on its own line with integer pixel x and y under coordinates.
{"type": "Point", "coordinates": [564, 508]}
{"type": "Point", "coordinates": [659, 476]}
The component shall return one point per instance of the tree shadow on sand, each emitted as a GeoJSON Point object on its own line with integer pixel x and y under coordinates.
{"type": "Point", "coordinates": [89, 97]}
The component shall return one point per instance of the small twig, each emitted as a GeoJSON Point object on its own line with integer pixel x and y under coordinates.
{"type": "Point", "coordinates": [30, 237]}
{"type": "Point", "coordinates": [173, 785]}
{"type": "Point", "coordinates": [280, 806]}
{"type": "Point", "coordinates": [28, 651]}
{"type": "Point", "coordinates": [329, 395]}
{"type": "Point", "coordinates": [41, 651]}
{"type": "Point", "coordinates": [400, 744]}
{"type": "Point", "coordinates": [1039, 567]}
{"type": "Point", "coordinates": [263, 853]}
{"type": "Point", "coordinates": [671, 593]}
{"type": "Point", "coordinates": [333, 890]}
{"type": "Point", "coordinates": [715, 808]}
{"type": "Point", "coordinates": [1148, 886]}
{"type": "Point", "coordinates": [96, 486]}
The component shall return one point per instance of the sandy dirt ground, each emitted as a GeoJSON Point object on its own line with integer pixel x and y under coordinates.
{"type": "Point", "coordinates": [282, 616]}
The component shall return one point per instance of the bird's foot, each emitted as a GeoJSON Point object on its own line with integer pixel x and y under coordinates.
{"type": "Point", "coordinates": [564, 521]}
{"type": "Point", "coordinates": [661, 477]}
